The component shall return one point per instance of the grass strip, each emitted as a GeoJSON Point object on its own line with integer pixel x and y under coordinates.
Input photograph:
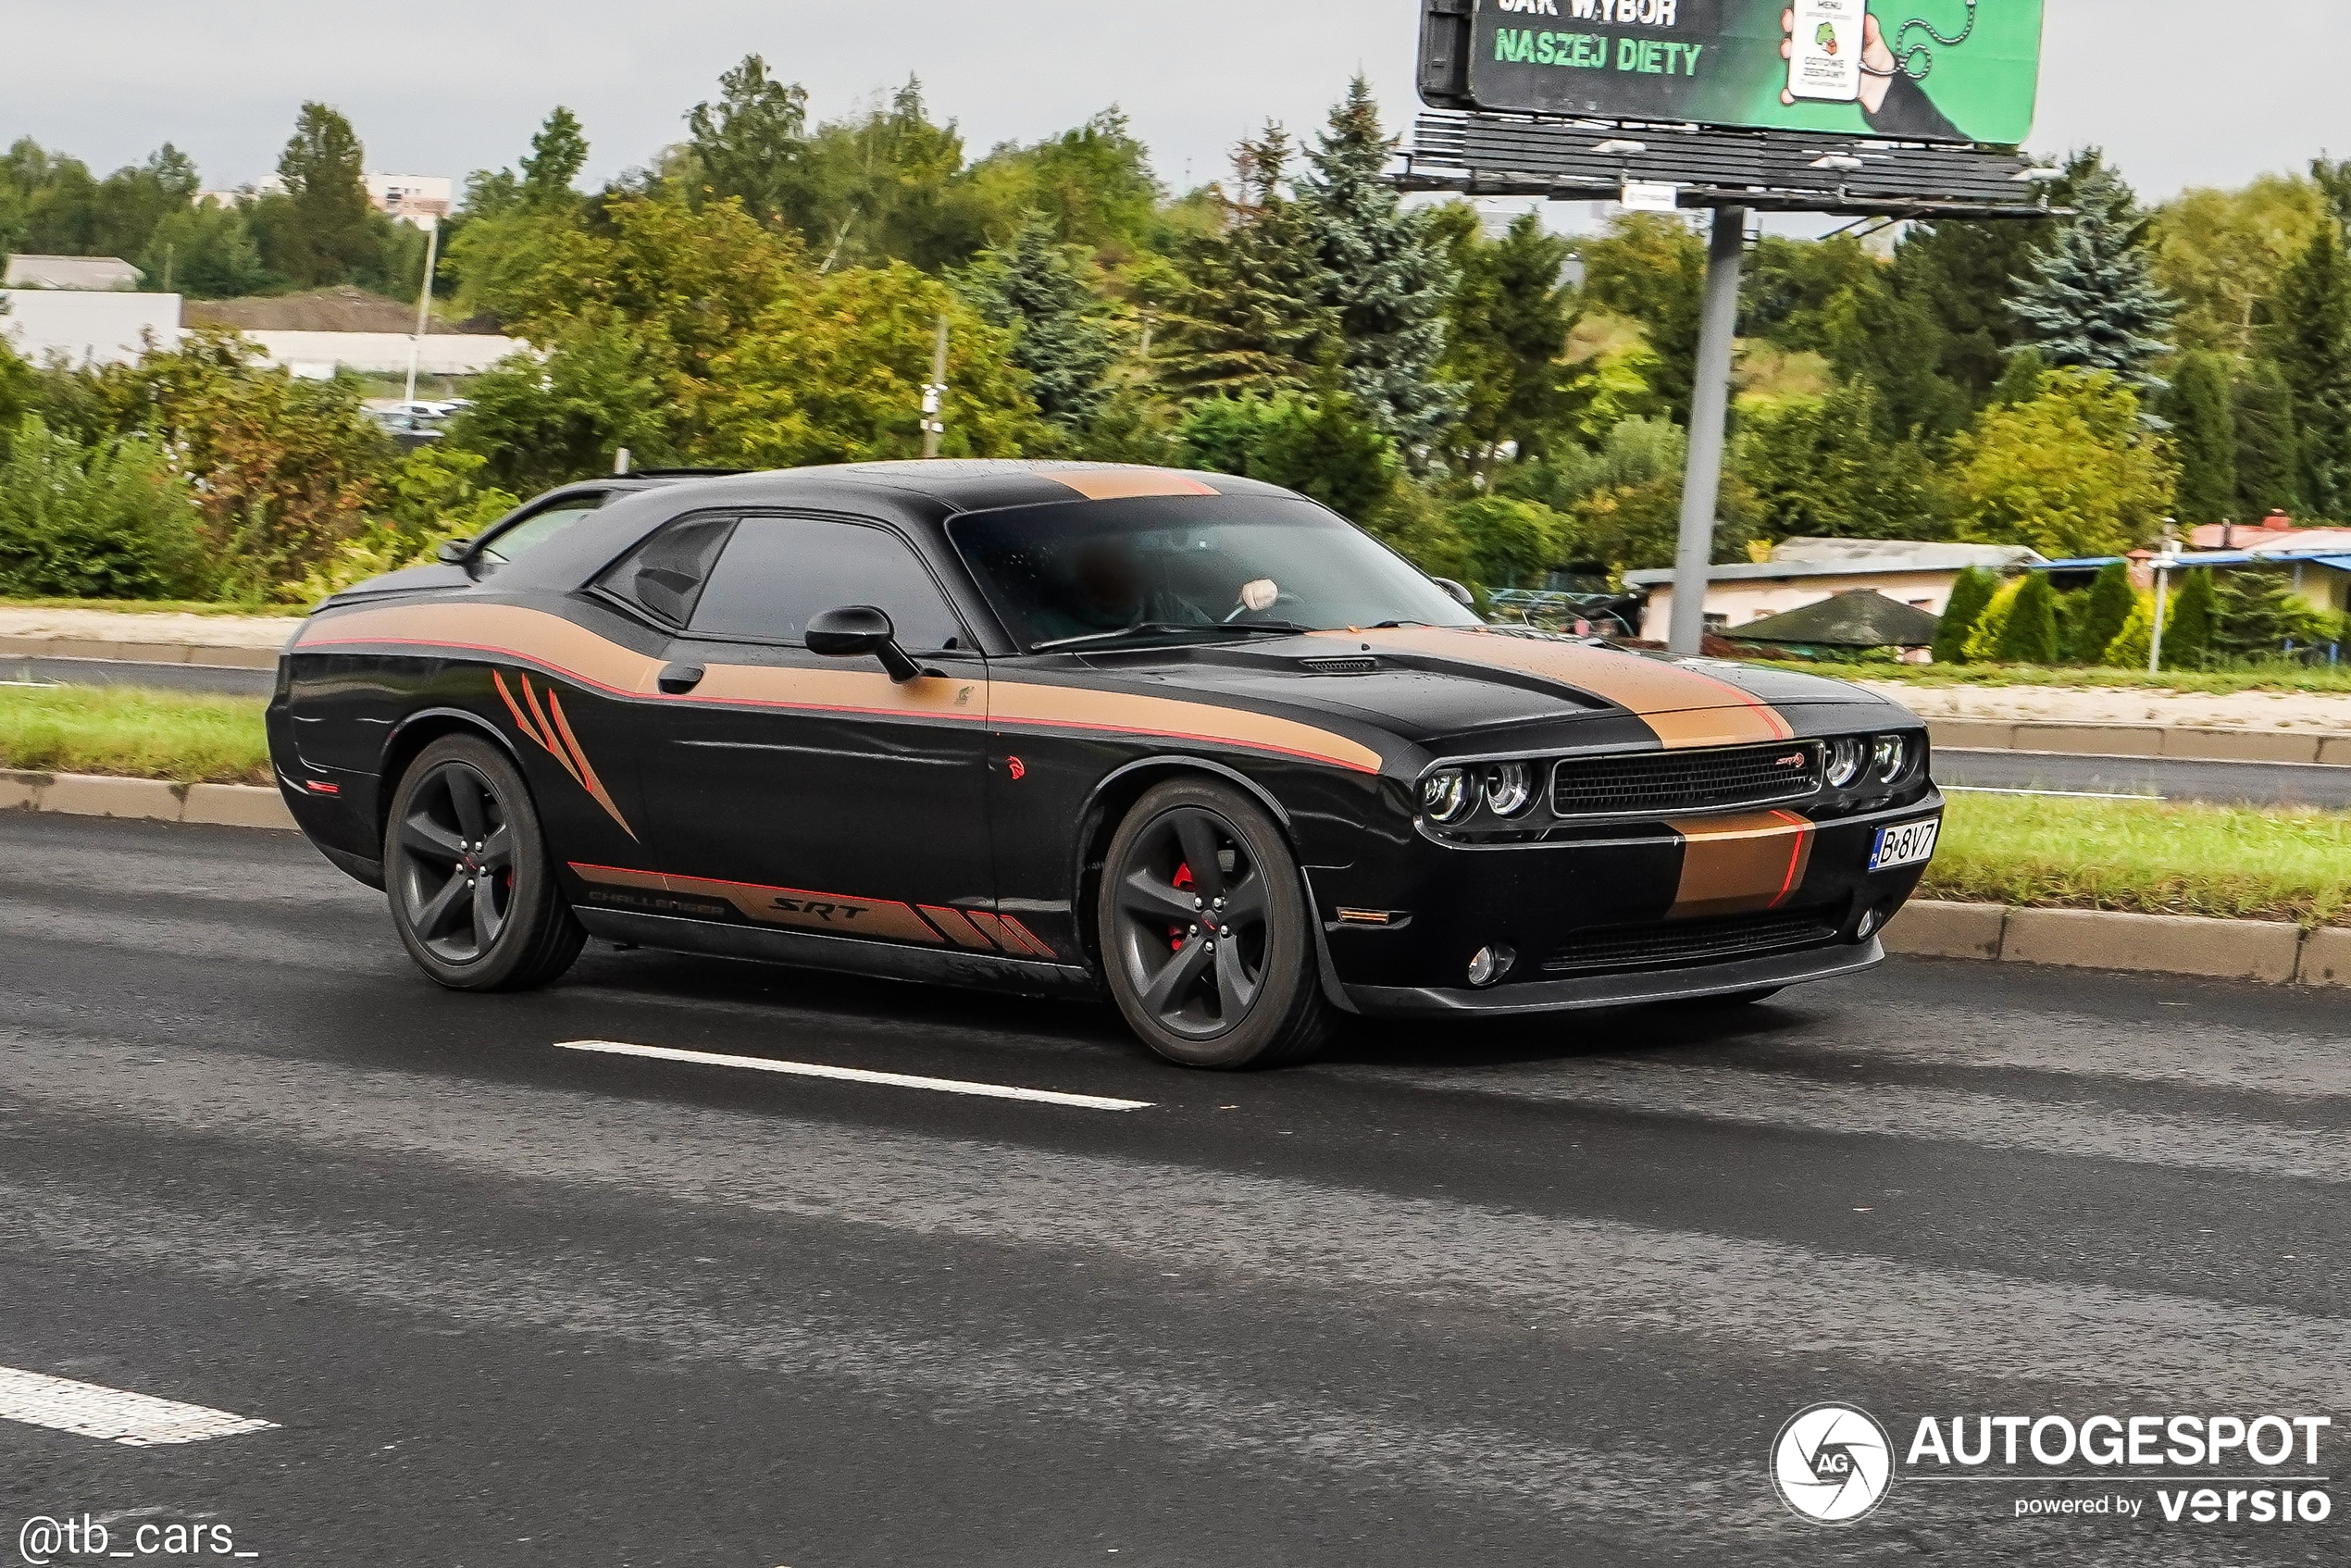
{"type": "Point", "coordinates": [155, 606]}
{"type": "Point", "coordinates": [189, 738]}
{"type": "Point", "coordinates": [2278, 678]}
{"type": "Point", "coordinates": [2151, 857]}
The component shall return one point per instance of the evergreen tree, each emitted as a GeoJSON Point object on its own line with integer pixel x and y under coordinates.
{"type": "Point", "coordinates": [558, 153]}
{"type": "Point", "coordinates": [2257, 613]}
{"type": "Point", "coordinates": [2311, 339]}
{"type": "Point", "coordinates": [2333, 177]}
{"type": "Point", "coordinates": [2021, 380]}
{"type": "Point", "coordinates": [2204, 434]}
{"type": "Point", "coordinates": [2031, 635]}
{"type": "Point", "coordinates": [1039, 290]}
{"type": "Point", "coordinates": [2092, 300]}
{"type": "Point", "coordinates": [1253, 311]}
{"type": "Point", "coordinates": [2187, 630]}
{"type": "Point", "coordinates": [327, 236]}
{"type": "Point", "coordinates": [1510, 317]}
{"type": "Point", "coordinates": [2101, 619]}
{"type": "Point", "coordinates": [1388, 273]}
{"type": "Point", "coordinates": [2269, 454]}
{"type": "Point", "coordinates": [752, 144]}
{"type": "Point", "coordinates": [1960, 272]}
{"type": "Point", "coordinates": [1970, 596]}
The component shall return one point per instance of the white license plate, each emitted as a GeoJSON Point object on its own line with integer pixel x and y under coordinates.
{"type": "Point", "coordinates": [1906, 843]}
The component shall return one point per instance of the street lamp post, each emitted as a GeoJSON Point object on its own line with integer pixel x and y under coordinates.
{"type": "Point", "coordinates": [424, 299]}
{"type": "Point", "coordinates": [2166, 560]}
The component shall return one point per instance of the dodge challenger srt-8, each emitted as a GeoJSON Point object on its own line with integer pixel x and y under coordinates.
{"type": "Point", "coordinates": [1189, 740]}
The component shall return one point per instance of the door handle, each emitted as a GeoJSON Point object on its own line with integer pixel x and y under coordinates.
{"type": "Point", "coordinates": [678, 679]}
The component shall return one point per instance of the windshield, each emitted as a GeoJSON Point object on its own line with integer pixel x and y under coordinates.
{"type": "Point", "coordinates": [1189, 568]}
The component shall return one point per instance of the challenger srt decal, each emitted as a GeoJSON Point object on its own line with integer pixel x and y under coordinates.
{"type": "Point", "coordinates": [1740, 865]}
{"type": "Point", "coordinates": [572, 651]}
{"type": "Point", "coordinates": [1684, 707]}
{"type": "Point", "coordinates": [558, 740]}
{"type": "Point", "coordinates": [837, 914]}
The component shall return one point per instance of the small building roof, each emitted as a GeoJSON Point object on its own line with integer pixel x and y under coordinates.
{"type": "Point", "coordinates": [1798, 558]}
{"type": "Point", "coordinates": [103, 272]}
{"type": "Point", "coordinates": [1862, 618]}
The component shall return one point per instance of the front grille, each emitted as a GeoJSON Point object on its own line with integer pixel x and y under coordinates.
{"type": "Point", "coordinates": [1691, 942]}
{"type": "Point", "coordinates": [1650, 783]}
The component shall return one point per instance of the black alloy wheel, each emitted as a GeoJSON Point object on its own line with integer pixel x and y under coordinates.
{"type": "Point", "coordinates": [466, 867]}
{"type": "Point", "coordinates": [1204, 936]}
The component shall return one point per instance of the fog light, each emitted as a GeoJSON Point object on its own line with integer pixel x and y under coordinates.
{"type": "Point", "coordinates": [1845, 762]}
{"type": "Point", "coordinates": [1509, 786]}
{"type": "Point", "coordinates": [1489, 965]}
{"type": "Point", "coordinates": [1445, 794]}
{"type": "Point", "coordinates": [1868, 928]}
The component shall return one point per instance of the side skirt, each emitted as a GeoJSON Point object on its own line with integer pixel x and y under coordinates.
{"type": "Point", "coordinates": [842, 954]}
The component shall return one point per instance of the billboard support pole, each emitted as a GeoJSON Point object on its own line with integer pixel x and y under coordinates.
{"type": "Point", "coordinates": [1710, 420]}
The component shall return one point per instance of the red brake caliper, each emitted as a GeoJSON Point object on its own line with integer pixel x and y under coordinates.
{"type": "Point", "coordinates": [1182, 879]}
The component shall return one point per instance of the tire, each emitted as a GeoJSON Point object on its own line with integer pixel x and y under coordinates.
{"type": "Point", "coordinates": [463, 807]}
{"type": "Point", "coordinates": [1206, 986]}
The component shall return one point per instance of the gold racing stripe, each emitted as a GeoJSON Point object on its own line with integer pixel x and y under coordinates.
{"type": "Point", "coordinates": [1739, 865]}
{"type": "Point", "coordinates": [835, 913]}
{"type": "Point", "coordinates": [1684, 707]}
{"type": "Point", "coordinates": [1116, 484]}
{"type": "Point", "coordinates": [552, 643]}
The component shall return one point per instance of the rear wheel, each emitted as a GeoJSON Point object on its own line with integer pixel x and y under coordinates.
{"type": "Point", "coordinates": [1205, 933]}
{"type": "Point", "coordinates": [472, 889]}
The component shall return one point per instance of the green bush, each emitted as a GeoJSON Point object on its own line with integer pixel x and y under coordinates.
{"type": "Point", "coordinates": [1969, 595]}
{"type": "Point", "coordinates": [2099, 621]}
{"type": "Point", "coordinates": [2187, 630]}
{"type": "Point", "coordinates": [2030, 636]}
{"type": "Point", "coordinates": [110, 520]}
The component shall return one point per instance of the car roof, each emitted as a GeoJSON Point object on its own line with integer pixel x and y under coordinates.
{"type": "Point", "coordinates": [953, 485]}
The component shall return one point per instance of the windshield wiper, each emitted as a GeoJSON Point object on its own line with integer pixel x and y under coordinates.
{"type": "Point", "coordinates": [1161, 629]}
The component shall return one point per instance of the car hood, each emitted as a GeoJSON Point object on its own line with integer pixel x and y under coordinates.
{"type": "Point", "coordinates": [1440, 685]}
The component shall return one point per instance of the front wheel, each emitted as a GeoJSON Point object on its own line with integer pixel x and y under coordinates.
{"type": "Point", "coordinates": [1205, 933]}
{"type": "Point", "coordinates": [467, 870]}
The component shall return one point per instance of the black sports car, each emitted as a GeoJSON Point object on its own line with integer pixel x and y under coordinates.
{"type": "Point", "coordinates": [1191, 739]}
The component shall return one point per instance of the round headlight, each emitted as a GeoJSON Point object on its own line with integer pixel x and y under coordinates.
{"type": "Point", "coordinates": [1845, 762]}
{"type": "Point", "coordinates": [1888, 757]}
{"type": "Point", "coordinates": [1509, 787]}
{"type": "Point", "coordinates": [1445, 795]}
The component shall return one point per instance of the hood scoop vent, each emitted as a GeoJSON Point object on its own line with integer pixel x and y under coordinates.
{"type": "Point", "coordinates": [1359, 664]}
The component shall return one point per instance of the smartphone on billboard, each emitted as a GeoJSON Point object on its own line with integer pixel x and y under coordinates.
{"type": "Point", "coordinates": [1824, 53]}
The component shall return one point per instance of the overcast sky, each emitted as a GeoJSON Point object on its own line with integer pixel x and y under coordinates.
{"type": "Point", "coordinates": [2181, 92]}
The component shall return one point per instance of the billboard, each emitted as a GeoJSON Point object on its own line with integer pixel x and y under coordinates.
{"type": "Point", "coordinates": [1936, 71]}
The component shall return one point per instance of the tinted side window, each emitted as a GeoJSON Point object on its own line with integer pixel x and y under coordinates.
{"type": "Point", "coordinates": [667, 573]}
{"type": "Point", "coordinates": [778, 571]}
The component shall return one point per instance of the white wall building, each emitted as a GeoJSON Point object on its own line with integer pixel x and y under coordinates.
{"type": "Point", "coordinates": [87, 326]}
{"type": "Point", "coordinates": [316, 354]}
{"type": "Point", "coordinates": [1803, 571]}
{"type": "Point", "coordinates": [420, 199]}
{"type": "Point", "coordinates": [71, 272]}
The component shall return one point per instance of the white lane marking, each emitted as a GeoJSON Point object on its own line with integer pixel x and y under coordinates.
{"type": "Point", "coordinates": [2056, 795]}
{"type": "Point", "coordinates": [136, 1421]}
{"type": "Point", "coordinates": [854, 1074]}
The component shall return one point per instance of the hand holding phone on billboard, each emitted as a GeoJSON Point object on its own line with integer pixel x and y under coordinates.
{"type": "Point", "coordinates": [1836, 54]}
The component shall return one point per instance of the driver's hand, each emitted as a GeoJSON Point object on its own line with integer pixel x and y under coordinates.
{"type": "Point", "coordinates": [1877, 61]}
{"type": "Point", "coordinates": [1259, 593]}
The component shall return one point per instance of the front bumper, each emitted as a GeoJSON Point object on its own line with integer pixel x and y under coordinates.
{"type": "Point", "coordinates": [1622, 989]}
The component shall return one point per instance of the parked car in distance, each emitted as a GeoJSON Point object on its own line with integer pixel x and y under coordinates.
{"type": "Point", "coordinates": [1186, 740]}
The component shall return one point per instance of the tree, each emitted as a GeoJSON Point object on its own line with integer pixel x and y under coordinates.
{"type": "Point", "coordinates": [2092, 302]}
{"type": "Point", "coordinates": [1889, 336]}
{"type": "Point", "coordinates": [1322, 447]}
{"type": "Point", "coordinates": [2268, 448]}
{"type": "Point", "coordinates": [111, 520]}
{"type": "Point", "coordinates": [605, 383]}
{"type": "Point", "coordinates": [1652, 268]}
{"type": "Point", "coordinates": [2072, 473]}
{"type": "Point", "coordinates": [2311, 340]}
{"type": "Point", "coordinates": [1387, 274]}
{"type": "Point", "coordinates": [2256, 614]}
{"type": "Point", "coordinates": [206, 252]}
{"type": "Point", "coordinates": [891, 186]}
{"type": "Point", "coordinates": [2030, 635]}
{"type": "Point", "coordinates": [1511, 544]}
{"type": "Point", "coordinates": [1038, 290]}
{"type": "Point", "coordinates": [751, 145]}
{"type": "Point", "coordinates": [2204, 437]}
{"type": "Point", "coordinates": [1093, 184]}
{"type": "Point", "coordinates": [326, 237]}
{"type": "Point", "coordinates": [1837, 467]}
{"type": "Point", "coordinates": [1971, 595]}
{"type": "Point", "coordinates": [2187, 630]}
{"type": "Point", "coordinates": [1508, 324]}
{"type": "Point", "coordinates": [1253, 311]}
{"type": "Point", "coordinates": [1959, 274]}
{"type": "Point", "coordinates": [558, 152]}
{"type": "Point", "coordinates": [2103, 615]}
{"type": "Point", "coordinates": [2219, 253]}
{"type": "Point", "coordinates": [2332, 176]}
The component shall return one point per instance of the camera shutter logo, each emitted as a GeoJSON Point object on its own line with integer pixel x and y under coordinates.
{"type": "Point", "coordinates": [1832, 1465]}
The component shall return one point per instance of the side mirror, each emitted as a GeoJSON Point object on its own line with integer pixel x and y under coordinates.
{"type": "Point", "coordinates": [855, 629]}
{"type": "Point", "coordinates": [455, 551]}
{"type": "Point", "coordinates": [1454, 590]}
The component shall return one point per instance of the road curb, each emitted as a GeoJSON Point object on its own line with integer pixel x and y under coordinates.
{"type": "Point", "coordinates": [2185, 742]}
{"type": "Point", "coordinates": [216, 654]}
{"type": "Point", "coordinates": [2268, 951]}
{"type": "Point", "coordinates": [151, 800]}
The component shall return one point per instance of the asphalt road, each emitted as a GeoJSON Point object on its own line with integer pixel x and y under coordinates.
{"type": "Point", "coordinates": [1535, 1295]}
{"type": "Point", "coordinates": [2175, 778]}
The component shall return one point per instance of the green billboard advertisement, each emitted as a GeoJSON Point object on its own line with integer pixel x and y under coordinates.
{"type": "Point", "coordinates": [1940, 70]}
